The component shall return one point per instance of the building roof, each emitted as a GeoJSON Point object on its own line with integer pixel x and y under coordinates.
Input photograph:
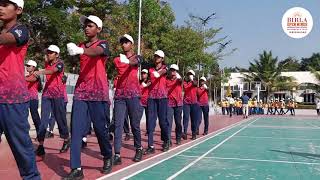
{"type": "Point", "coordinates": [300, 77]}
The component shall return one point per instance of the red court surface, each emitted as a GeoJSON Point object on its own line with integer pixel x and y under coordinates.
{"type": "Point", "coordinates": [56, 165]}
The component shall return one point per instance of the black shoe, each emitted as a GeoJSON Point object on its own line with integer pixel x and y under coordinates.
{"type": "Point", "coordinates": [197, 133]}
{"type": "Point", "coordinates": [205, 133]}
{"type": "Point", "coordinates": [138, 155]}
{"type": "Point", "coordinates": [107, 165]}
{"type": "Point", "coordinates": [127, 138]}
{"type": "Point", "coordinates": [184, 136]}
{"type": "Point", "coordinates": [149, 150]}
{"type": "Point", "coordinates": [117, 159]}
{"type": "Point", "coordinates": [193, 137]}
{"type": "Point", "coordinates": [40, 151]}
{"type": "Point", "coordinates": [84, 144]}
{"type": "Point", "coordinates": [75, 174]}
{"type": "Point", "coordinates": [49, 134]}
{"type": "Point", "coordinates": [178, 141]}
{"type": "Point", "coordinates": [166, 146]}
{"type": "Point", "coordinates": [65, 147]}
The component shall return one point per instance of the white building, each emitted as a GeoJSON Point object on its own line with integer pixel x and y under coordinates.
{"type": "Point", "coordinates": [305, 92]}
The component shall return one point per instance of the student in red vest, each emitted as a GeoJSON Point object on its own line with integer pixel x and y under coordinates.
{"type": "Point", "coordinates": [53, 99]}
{"type": "Point", "coordinates": [52, 121]}
{"type": "Point", "coordinates": [158, 102]}
{"type": "Point", "coordinates": [91, 96]}
{"type": "Point", "coordinates": [14, 96]}
{"type": "Point", "coordinates": [204, 104]}
{"type": "Point", "coordinates": [127, 98]}
{"type": "Point", "coordinates": [144, 85]}
{"type": "Point", "coordinates": [190, 105]}
{"type": "Point", "coordinates": [34, 85]}
{"type": "Point", "coordinates": [175, 101]}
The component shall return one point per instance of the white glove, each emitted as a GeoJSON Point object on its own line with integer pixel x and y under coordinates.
{"type": "Point", "coordinates": [156, 74]}
{"type": "Point", "coordinates": [205, 86]}
{"type": "Point", "coordinates": [73, 49]}
{"type": "Point", "coordinates": [191, 77]}
{"type": "Point", "coordinates": [124, 59]}
{"type": "Point", "coordinates": [178, 76]}
{"type": "Point", "coordinates": [144, 84]}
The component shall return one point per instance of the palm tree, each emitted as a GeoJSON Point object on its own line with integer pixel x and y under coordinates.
{"type": "Point", "coordinates": [267, 70]}
{"type": "Point", "coordinates": [317, 76]}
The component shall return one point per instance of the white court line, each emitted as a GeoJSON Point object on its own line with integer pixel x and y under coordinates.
{"type": "Point", "coordinates": [255, 160]}
{"type": "Point", "coordinates": [283, 127]}
{"type": "Point", "coordinates": [264, 137]}
{"type": "Point", "coordinates": [212, 149]}
{"type": "Point", "coordinates": [215, 133]}
{"type": "Point", "coordinates": [313, 125]}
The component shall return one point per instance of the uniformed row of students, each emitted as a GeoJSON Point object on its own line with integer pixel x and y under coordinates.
{"type": "Point", "coordinates": [256, 107]}
{"type": "Point", "coordinates": [91, 96]}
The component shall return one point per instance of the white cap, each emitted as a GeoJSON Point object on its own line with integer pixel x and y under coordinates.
{"type": "Point", "coordinates": [54, 48]}
{"type": "Point", "coordinates": [32, 63]}
{"type": "Point", "coordinates": [175, 67]}
{"type": "Point", "coordinates": [19, 3]}
{"type": "Point", "coordinates": [127, 36]}
{"type": "Point", "coordinates": [144, 71]}
{"type": "Point", "coordinates": [192, 72]}
{"type": "Point", "coordinates": [91, 18]}
{"type": "Point", "coordinates": [159, 53]}
{"type": "Point", "coordinates": [203, 78]}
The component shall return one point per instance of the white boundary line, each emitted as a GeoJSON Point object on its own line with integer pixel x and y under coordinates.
{"type": "Point", "coordinates": [264, 137]}
{"type": "Point", "coordinates": [212, 149]}
{"type": "Point", "coordinates": [215, 133]}
{"type": "Point", "coordinates": [255, 160]}
{"type": "Point", "coordinates": [313, 125]}
{"type": "Point", "coordinates": [284, 127]}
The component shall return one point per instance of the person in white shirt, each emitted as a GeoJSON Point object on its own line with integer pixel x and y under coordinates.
{"type": "Point", "coordinates": [318, 108]}
{"type": "Point", "coordinates": [231, 104]}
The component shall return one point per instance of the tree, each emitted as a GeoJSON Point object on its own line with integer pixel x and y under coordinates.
{"type": "Point", "coordinates": [313, 61]}
{"type": "Point", "coordinates": [290, 64]}
{"type": "Point", "coordinates": [50, 23]}
{"type": "Point", "coordinates": [267, 70]}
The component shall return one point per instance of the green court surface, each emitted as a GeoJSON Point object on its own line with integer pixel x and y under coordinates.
{"type": "Point", "coordinates": [261, 148]}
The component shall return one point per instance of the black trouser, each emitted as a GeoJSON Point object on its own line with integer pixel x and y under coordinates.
{"type": "Point", "coordinates": [230, 109]}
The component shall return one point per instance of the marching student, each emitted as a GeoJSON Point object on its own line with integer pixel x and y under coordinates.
{"type": "Point", "coordinates": [255, 106]}
{"type": "Point", "coordinates": [291, 106]}
{"type": "Point", "coordinates": [34, 86]}
{"type": "Point", "coordinates": [282, 105]}
{"type": "Point", "coordinates": [53, 99]}
{"type": "Point", "coordinates": [276, 106]}
{"type": "Point", "coordinates": [190, 105]}
{"type": "Point", "coordinates": [91, 96]}
{"type": "Point", "coordinates": [158, 102]}
{"type": "Point", "coordinates": [144, 86]}
{"type": "Point", "coordinates": [238, 106]}
{"type": "Point", "coordinates": [14, 94]}
{"type": "Point", "coordinates": [231, 104]}
{"type": "Point", "coordinates": [204, 103]}
{"type": "Point", "coordinates": [175, 102]}
{"type": "Point", "coordinates": [318, 107]}
{"type": "Point", "coordinates": [223, 106]}
{"type": "Point", "coordinates": [250, 104]}
{"type": "Point", "coordinates": [227, 105]}
{"type": "Point", "coordinates": [270, 105]}
{"type": "Point", "coordinates": [49, 133]}
{"type": "Point", "coordinates": [127, 98]}
{"type": "Point", "coordinates": [260, 107]}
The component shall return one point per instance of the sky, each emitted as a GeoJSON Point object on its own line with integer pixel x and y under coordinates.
{"type": "Point", "coordinates": [254, 26]}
